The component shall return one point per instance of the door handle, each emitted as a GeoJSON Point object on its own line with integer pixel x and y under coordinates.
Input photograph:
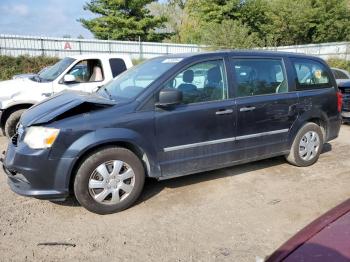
{"type": "Point", "coordinates": [246, 109]}
{"type": "Point", "coordinates": [224, 112]}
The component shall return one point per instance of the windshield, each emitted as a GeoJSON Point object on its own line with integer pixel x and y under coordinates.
{"type": "Point", "coordinates": [132, 82]}
{"type": "Point", "coordinates": [54, 71]}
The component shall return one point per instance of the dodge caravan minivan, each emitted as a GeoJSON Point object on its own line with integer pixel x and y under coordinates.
{"type": "Point", "coordinates": [173, 116]}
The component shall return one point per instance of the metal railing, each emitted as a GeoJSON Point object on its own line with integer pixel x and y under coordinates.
{"type": "Point", "coordinates": [326, 51]}
{"type": "Point", "coordinates": [15, 45]}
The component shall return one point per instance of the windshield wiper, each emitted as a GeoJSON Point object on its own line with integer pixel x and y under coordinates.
{"type": "Point", "coordinates": [37, 78]}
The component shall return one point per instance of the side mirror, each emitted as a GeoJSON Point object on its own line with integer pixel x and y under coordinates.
{"type": "Point", "coordinates": [69, 79]}
{"type": "Point", "coordinates": [169, 97]}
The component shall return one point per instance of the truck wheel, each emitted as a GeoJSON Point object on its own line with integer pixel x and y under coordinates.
{"type": "Point", "coordinates": [109, 180]}
{"type": "Point", "coordinates": [12, 121]}
{"type": "Point", "coordinates": [307, 146]}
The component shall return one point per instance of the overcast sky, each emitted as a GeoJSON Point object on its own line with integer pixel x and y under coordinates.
{"type": "Point", "coordinates": [43, 17]}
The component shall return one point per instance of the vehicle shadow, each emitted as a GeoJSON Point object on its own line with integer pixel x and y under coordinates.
{"type": "Point", "coordinates": [327, 147]}
{"type": "Point", "coordinates": [153, 187]}
{"type": "Point", "coordinates": [71, 201]}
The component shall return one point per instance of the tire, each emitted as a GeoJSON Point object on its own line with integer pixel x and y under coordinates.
{"type": "Point", "coordinates": [305, 150]}
{"type": "Point", "coordinates": [98, 189]}
{"type": "Point", "coordinates": [12, 121]}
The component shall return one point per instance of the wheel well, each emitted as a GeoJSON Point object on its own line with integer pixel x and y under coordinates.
{"type": "Point", "coordinates": [133, 148]}
{"type": "Point", "coordinates": [321, 123]}
{"type": "Point", "coordinates": [8, 111]}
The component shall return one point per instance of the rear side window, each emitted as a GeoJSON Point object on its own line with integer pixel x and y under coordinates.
{"type": "Point", "coordinates": [311, 74]}
{"type": "Point", "coordinates": [339, 74]}
{"type": "Point", "coordinates": [259, 77]}
{"type": "Point", "coordinates": [117, 66]}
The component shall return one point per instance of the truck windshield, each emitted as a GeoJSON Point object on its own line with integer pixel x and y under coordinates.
{"type": "Point", "coordinates": [57, 69]}
{"type": "Point", "coordinates": [132, 82]}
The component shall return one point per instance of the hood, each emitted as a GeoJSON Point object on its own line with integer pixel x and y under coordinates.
{"type": "Point", "coordinates": [10, 88]}
{"type": "Point", "coordinates": [24, 76]}
{"type": "Point", "coordinates": [62, 105]}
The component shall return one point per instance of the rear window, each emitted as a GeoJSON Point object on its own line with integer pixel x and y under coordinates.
{"type": "Point", "coordinates": [311, 74]}
{"type": "Point", "coordinates": [339, 74]}
{"type": "Point", "coordinates": [259, 76]}
{"type": "Point", "coordinates": [117, 66]}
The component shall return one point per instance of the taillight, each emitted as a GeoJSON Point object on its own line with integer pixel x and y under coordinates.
{"type": "Point", "coordinates": [339, 101]}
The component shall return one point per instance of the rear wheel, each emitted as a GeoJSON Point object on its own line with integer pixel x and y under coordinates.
{"type": "Point", "coordinates": [110, 180]}
{"type": "Point", "coordinates": [12, 121]}
{"type": "Point", "coordinates": [307, 146]}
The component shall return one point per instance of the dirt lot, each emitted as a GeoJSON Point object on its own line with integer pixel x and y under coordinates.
{"type": "Point", "coordinates": [233, 214]}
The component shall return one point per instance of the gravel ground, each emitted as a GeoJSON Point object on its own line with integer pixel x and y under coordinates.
{"type": "Point", "coordinates": [233, 214]}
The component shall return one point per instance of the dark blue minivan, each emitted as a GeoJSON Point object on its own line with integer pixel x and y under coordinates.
{"type": "Point", "coordinates": [172, 116]}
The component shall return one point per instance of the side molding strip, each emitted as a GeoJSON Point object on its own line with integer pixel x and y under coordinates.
{"type": "Point", "coordinates": [262, 134]}
{"type": "Point", "coordinates": [225, 140]}
{"type": "Point", "coordinates": [206, 143]}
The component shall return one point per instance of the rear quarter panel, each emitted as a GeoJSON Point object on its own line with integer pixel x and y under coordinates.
{"type": "Point", "coordinates": [319, 104]}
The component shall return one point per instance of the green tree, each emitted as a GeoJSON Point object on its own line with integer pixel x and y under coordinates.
{"type": "Point", "coordinates": [174, 11]}
{"type": "Point", "coordinates": [332, 19]}
{"type": "Point", "coordinates": [313, 21]}
{"type": "Point", "coordinates": [203, 15]}
{"type": "Point", "coordinates": [274, 22]}
{"type": "Point", "coordinates": [180, 3]}
{"type": "Point", "coordinates": [214, 11]}
{"type": "Point", "coordinates": [176, 17]}
{"type": "Point", "coordinates": [254, 14]}
{"type": "Point", "coordinates": [123, 20]}
{"type": "Point", "coordinates": [291, 22]}
{"type": "Point", "coordinates": [230, 34]}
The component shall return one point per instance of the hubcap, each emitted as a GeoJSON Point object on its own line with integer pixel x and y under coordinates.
{"type": "Point", "coordinates": [309, 145]}
{"type": "Point", "coordinates": [111, 182]}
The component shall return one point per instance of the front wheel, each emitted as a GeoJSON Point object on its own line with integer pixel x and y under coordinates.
{"type": "Point", "coordinates": [307, 146]}
{"type": "Point", "coordinates": [12, 121]}
{"type": "Point", "coordinates": [109, 180]}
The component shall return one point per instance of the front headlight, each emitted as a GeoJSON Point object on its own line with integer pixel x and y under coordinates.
{"type": "Point", "coordinates": [38, 137]}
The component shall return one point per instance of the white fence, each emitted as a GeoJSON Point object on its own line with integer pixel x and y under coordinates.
{"type": "Point", "coordinates": [15, 45]}
{"type": "Point", "coordinates": [327, 50]}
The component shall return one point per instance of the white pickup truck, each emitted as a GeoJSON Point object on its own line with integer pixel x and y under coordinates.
{"type": "Point", "coordinates": [82, 72]}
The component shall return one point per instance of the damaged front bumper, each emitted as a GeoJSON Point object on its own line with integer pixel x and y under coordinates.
{"type": "Point", "coordinates": [30, 173]}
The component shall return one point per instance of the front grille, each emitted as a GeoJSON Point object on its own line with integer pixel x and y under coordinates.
{"type": "Point", "coordinates": [345, 91]}
{"type": "Point", "coordinates": [14, 139]}
{"type": "Point", "coordinates": [346, 105]}
{"type": "Point", "coordinates": [346, 96]}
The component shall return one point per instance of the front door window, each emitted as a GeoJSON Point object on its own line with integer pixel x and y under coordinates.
{"type": "Point", "coordinates": [202, 82]}
{"type": "Point", "coordinates": [87, 71]}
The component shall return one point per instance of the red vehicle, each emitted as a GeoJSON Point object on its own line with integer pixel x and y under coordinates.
{"type": "Point", "coordinates": [325, 239]}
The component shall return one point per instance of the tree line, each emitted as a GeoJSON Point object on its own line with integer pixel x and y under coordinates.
{"type": "Point", "coordinates": [221, 23]}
